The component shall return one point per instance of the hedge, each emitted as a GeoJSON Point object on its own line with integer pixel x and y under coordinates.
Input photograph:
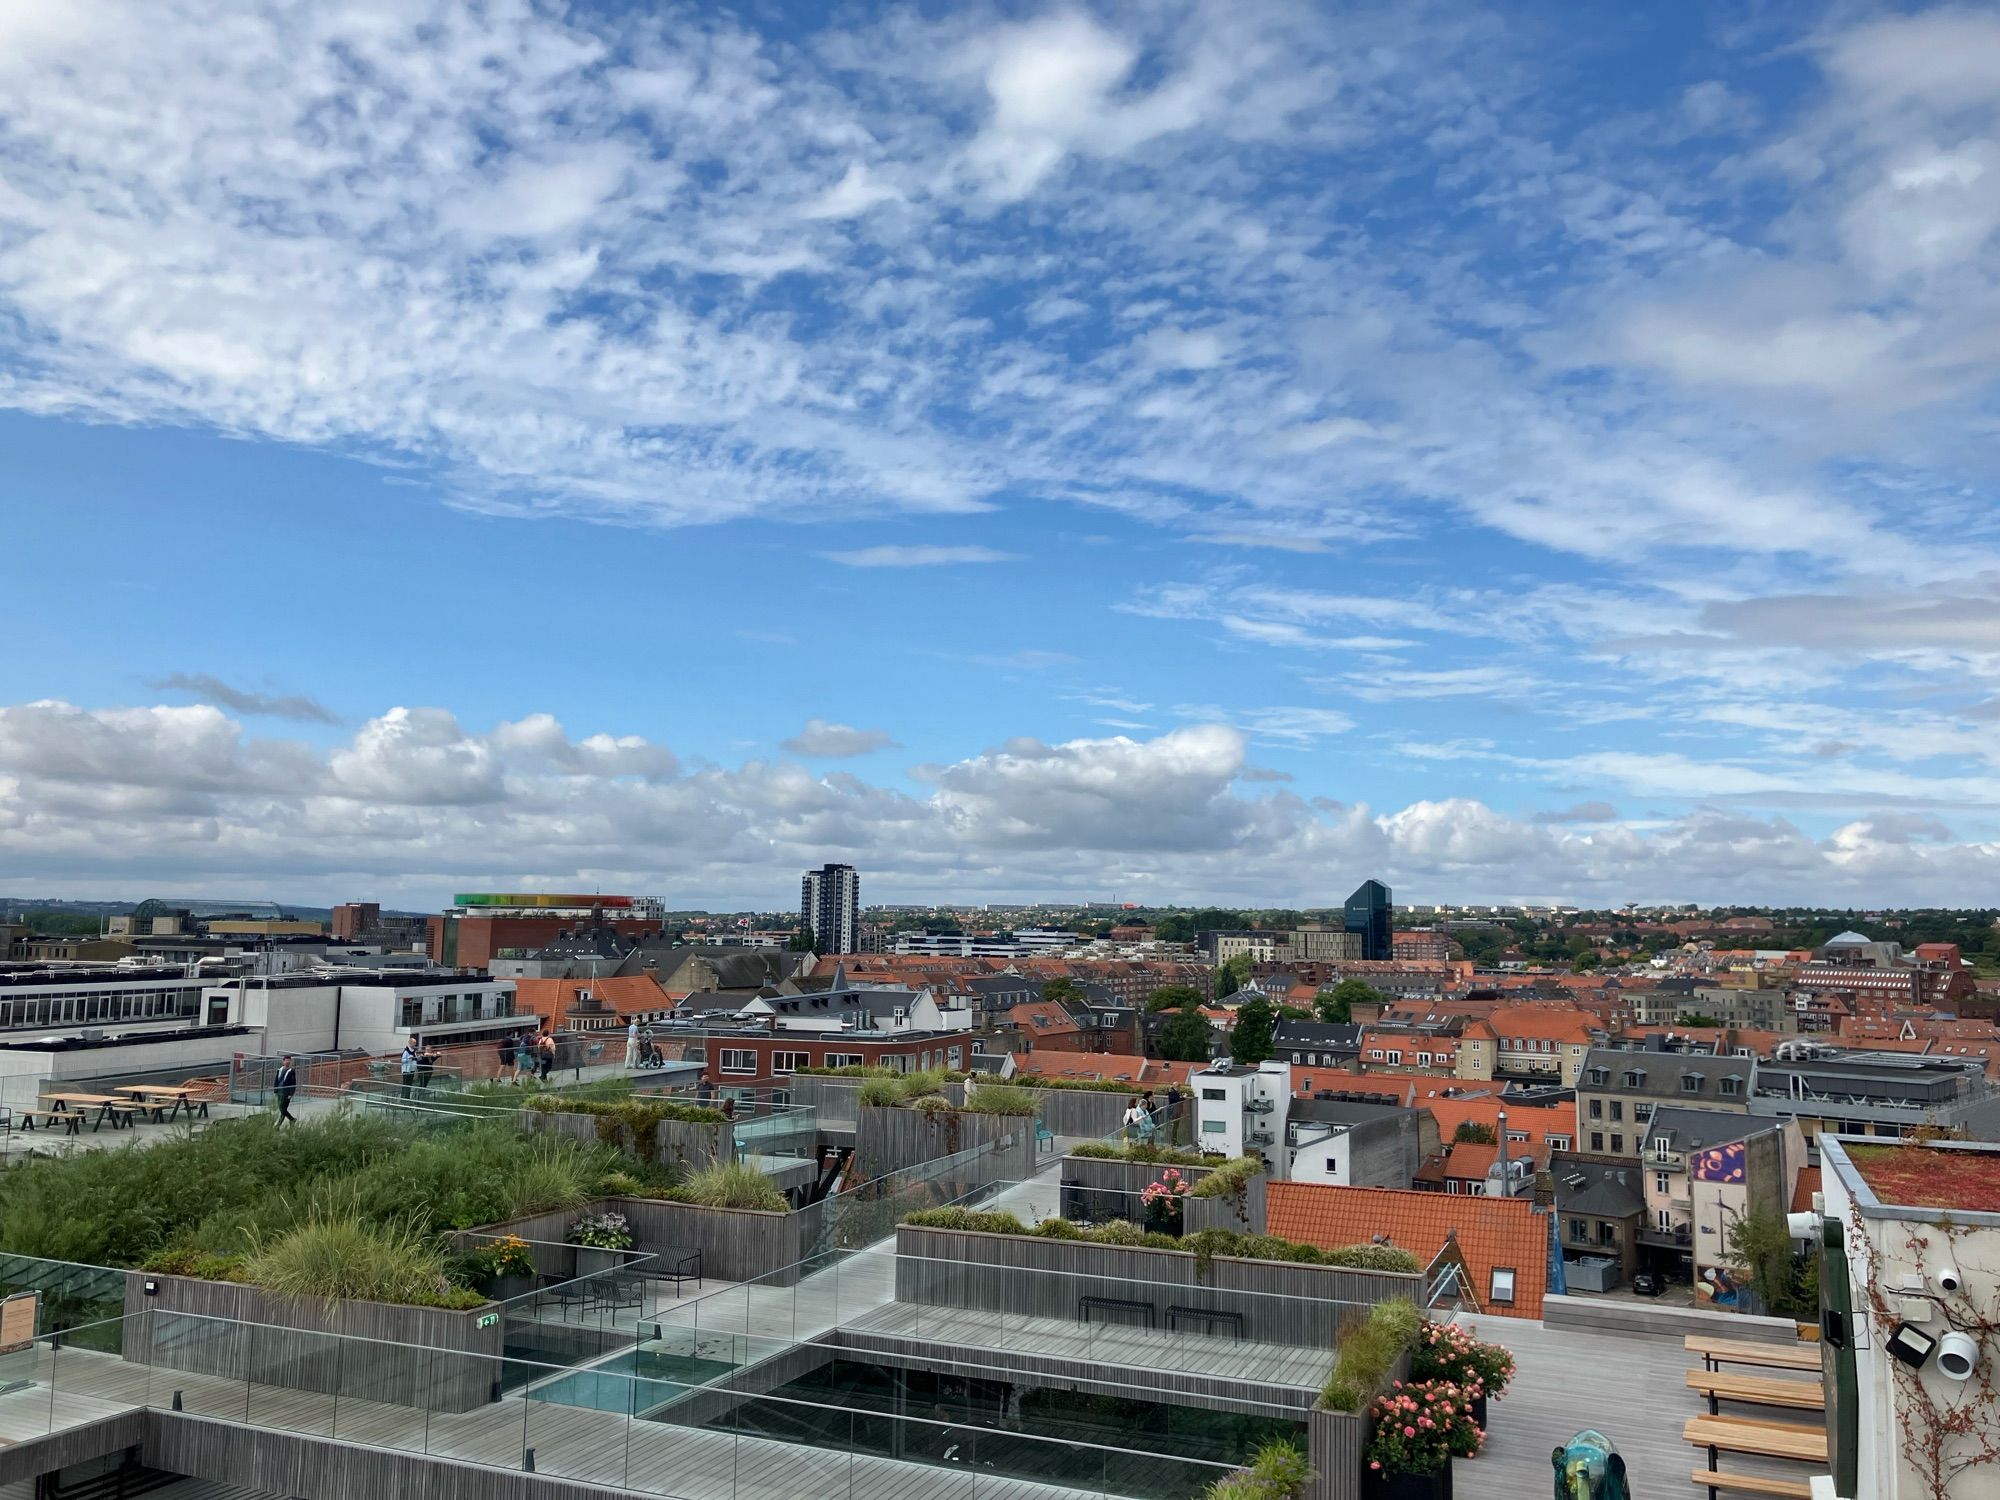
{"type": "Point", "coordinates": [1204, 1244]}
{"type": "Point", "coordinates": [1228, 1180]}
{"type": "Point", "coordinates": [1368, 1351]}
{"type": "Point", "coordinates": [1148, 1153]}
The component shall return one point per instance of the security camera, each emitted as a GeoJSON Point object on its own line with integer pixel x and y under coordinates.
{"type": "Point", "coordinates": [1957, 1355]}
{"type": "Point", "coordinates": [1802, 1226]}
{"type": "Point", "coordinates": [1947, 1277]}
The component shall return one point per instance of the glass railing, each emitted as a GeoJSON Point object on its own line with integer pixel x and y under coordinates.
{"type": "Point", "coordinates": [652, 1419]}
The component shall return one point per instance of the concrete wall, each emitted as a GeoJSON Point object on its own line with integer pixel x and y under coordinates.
{"type": "Point", "coordinates": [1281, 1303]}
{"type": "Point", "coordinates": [680, 1144]}
{"type": "Point", "coordinates": [1618, 1315]}
{"type": "Point", "coordinates": [425, 1357]}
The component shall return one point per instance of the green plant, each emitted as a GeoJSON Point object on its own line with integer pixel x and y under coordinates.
{"type": "Point", "coordinates": [1229, 1180]}
{"type": "Point", "coordinates": [999, 1099]}
{"type": "Point", "coordinates": [1474, 1132]}
{"type": "Point", "coordinates": [1368, 1350]}
{"type": "Point", "coordinates": [880, 1093]}
{"type": "Point", "coordinates": [1119, 1232]}
{"type": "Point", "coordinates": [507, 1256]}
{"type": "Point", "coordinates": [200, 1264]}
{"type": "Point", "coordinates": [966, 1219]}
{"type": "Point", "coordinates": [732, 1184]}
{"type": "Point", "coordinates": [1058, 1229]}
{"type": "Point", "coordinates": [1076, 1085]}
{"type": "Point", "coordinates": [331, 1258]}
{"type": "Point", "coordinates": [602, 1231]}
{"type": "Point", "coordinates": [1147, 1152]}
{"type": "Point", "coordinates": [619, 1185]}
{"type": "Point", "coordinates": [932, 1104]}
{"type": "Point", "coordinates": [1278, 1471]}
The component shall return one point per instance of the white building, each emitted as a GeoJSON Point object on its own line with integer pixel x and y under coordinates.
{"type": "Point", "coordinates": [1244, 1110]}
{"type": "Point", "coordinates": [1909, 1284]}
{"type": "Point", "coordinates": [375, 1011]}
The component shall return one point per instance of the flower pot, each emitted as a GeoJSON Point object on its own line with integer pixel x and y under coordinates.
{"type": "Point", "coordinates": [590, 1260]}
{"type": "Point", "coordinates": [1379, 1486]}
{"type": "Point", "coordinates": [1479, 1412]}
{"type": "Point", "coordinates": [503, 1288]}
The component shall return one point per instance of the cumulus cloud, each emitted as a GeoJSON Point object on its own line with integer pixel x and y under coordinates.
{"type": "Point", "coordinates": [823, 739]}
{"type": "Point", "coordinates": [415, 802]}
{"type": "Point", "coordinates": [246, 701]}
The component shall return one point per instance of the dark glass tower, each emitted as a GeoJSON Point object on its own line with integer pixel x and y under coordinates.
{"type": "Point", "coordinates": [1368, 915]}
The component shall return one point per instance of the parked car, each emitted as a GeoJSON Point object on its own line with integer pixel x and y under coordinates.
{"type": "Point", "coordinates": [1646, 1284]}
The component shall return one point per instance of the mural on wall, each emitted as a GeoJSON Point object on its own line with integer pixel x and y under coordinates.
{"type": "Point", "coordinates": [1720, 1163]}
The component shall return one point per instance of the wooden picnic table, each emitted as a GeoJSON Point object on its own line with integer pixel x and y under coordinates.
{"type": "Point", "coordinates": [1716, 1352]}
{"type": "Point", "coordinates": [155, 1096]}
{"type": "Point", "coordinates": [1758, 1390]}
{"type": "Point", "coordinates": [71, 1109]}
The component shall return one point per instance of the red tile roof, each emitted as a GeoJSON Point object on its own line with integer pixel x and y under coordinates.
{"type": "Point", "coordinates": [627, 994]}
{"type": "Point", "coordinates": [1491, 1231]}
{"type": "Point", "coordinates": [1117, 1066]}
{"type": "Point", "coordinates": [1803, 1190]}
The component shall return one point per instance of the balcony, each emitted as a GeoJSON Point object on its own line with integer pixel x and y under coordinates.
{"type": "Point", "coordinates": [1679, 1237]}
{"type": "Point", "coordinates": [1258, 1106]}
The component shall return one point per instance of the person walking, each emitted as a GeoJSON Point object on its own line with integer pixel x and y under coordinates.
{"type": "Point", "coordinates": [632, 1043]}
{"type": "Point", "coordinates": [704, 1092]}
{"type": "Point", "coordinates": [547, 1048]}
{"type": "Point", "coordinates": [406, 1070]}
{"type": "Point", "coordinates": [284, 1086]}
{"type": "Point", "coordinates": [524, 1057]}
{"type": "Point", "coordinates": [506, 1055]}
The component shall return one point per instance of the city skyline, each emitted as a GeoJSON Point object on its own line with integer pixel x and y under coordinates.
{"type": "Point", "coordinates": [1026, 451]}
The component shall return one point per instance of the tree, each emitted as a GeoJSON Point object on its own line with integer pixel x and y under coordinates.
{"type": "Point", "coordinates": [1231, 974]}
{"type": "Point", "coordinates": [1063, 990]}
{"type": "Point", "coordinates": [803, 940]}
{"type": "Point", "coordinates": [1696, 1018]}
{"type": "Point", "coordinates": [1169, 997]}
{"type": "Point", "coordinates": [1337, 1004]}
{"type": "Point", "coordinates": [1185, 1037]}
{"type": "Point", "coordinates": [1250, 1042]}
{"type": "Point", "coordinates": [1785, 1282]}
{"type": "Point", "coordinates": [1474, 1133]}
{"type": "Point", "coordinates": [1587, 961]}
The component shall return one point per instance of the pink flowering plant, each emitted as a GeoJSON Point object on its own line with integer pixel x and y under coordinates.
{"type": "Point", "coordinates": [1162, 1199]}
{"type": "Point", "coordinates": [1421, 1426]}
{"type": "Point", "coordinates": [1448, 1351]}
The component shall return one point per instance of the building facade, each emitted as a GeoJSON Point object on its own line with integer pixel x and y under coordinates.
{"type": "Point", "coordinates": [830, 904]}
{"type": "Point", "coordinates": [1618, 1091]}
{"type": "Point", "coordinates": [1367, 914]}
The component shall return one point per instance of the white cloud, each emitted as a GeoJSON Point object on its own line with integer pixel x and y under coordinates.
{"type": "Point", "coordinates": [917, 556]}
{"type": "Point", "coordinates": [857, 191]}
{"type": "Point", "coordinates": [823, 739]}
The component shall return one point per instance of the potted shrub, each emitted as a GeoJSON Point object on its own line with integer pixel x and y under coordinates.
{"type": "Point", "coordinates": [505, 1267]}
{"type": "Point", "coordinates": [1419, 1428]}
{"type": "Point", "coordinates": [1163, 1200]}
{"type": "Point", "coordinates": [1447, 1351]}
{"type": "Point", "coordinates": [599, 1238]}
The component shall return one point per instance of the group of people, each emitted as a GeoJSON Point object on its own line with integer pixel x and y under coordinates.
{"type": "Point", "coordinates": [416, 1066]}
{"type": "Point", "coordinates": [640, 1049]}
{"type": "Point", "coordinates": [1145, 1114]}
{"type": "Point", "coordinates": [528, 1055]}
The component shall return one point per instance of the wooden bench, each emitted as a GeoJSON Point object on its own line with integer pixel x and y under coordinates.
{"type": "Point", "coordinates": [1754, 1484]}
{"type": "Point", "coordinates": [1757, 1390]}
{"type": "Point", "coordinates": [1085, 1306]}
{"type": "Point", "coordinates": [1721, 1435]}
{"type": "Point", "coordinates": [1212, 1316]}
{"type": "Point", "coordinates": [1716, 1352]}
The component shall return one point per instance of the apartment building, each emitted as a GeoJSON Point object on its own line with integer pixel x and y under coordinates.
{"type": "Point", "coordinates": [1618, 1091]}
{"type": "Point", "coordinates": [1706, 1171]}
{"type": "Point", "coordinates": [1527, 1044]}
{"type": "Point", "coordinates": [1864, 1093]}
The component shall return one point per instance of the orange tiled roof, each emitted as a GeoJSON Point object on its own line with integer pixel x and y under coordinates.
{"type": "Point", "coordinates": [1491, 1231]}
{"type": "Point", "coordinates": [1553, 1023]}
{"type": "Point", "coordinates": [1120, 1067]}
{"type": "Point", "coordinates": [1804, 1188]}
{"type": "Point", "coordinates": [625, 993]}
{"type": "Point", "coordinates": [1536, 1121]}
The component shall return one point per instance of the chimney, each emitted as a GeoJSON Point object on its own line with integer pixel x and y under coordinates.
{"type": "Point", "coordinates": [1500, 1160]}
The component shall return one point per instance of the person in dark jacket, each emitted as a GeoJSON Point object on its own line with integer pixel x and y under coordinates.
{"type": "Point", "coordinates": [284, 1086]}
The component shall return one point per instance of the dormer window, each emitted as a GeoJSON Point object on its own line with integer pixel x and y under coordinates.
{"type": "Point", "coordinates": [1691, 1083]}
{"type": "Point", "coordinates": [1730, 1085]}
{"type": "Point", "coordinates": [1634, 1078]}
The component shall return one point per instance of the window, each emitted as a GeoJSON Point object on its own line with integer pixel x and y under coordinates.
{"type": "Point", "coordinates": [1663, 1149]}
{"type": "Point", "coordinates": [1617, 1109]}
{"type": "Point", "coordinates": [1375, 1054]}
{"type": "Point", "coordinates": [1579, 1230]}
{"type": "Point", "coordinates": [1597, 1109]}
{"type": "Point", "coordinates": [1333, 1166]}
{"type": "Point", "coordinates": [1597, 1140]}
{"type": "Point", "coordinates": [1607, 1232]}
{"type": "Point", "coordinates": [1503, 1284]}
{"type": "Point", "coordinates": [955, 1056]}
{"type": "Point", "coordinates": [1557, 1142]}
{"type": "Point", "coordinates": [1691, 1083]}
{"type": "Point", "coordinates": [788, 1062]}
{"type": "Point", "coordinates": [1632, 1079]}
{"type": "Point", "coordinates": [1519, 1137]}
{"type": "Point", "coordinates": [1665, 1219]}
{"type": "Point", "coordinates": [1215, 1095]}
{"type": "Point", "coordinates": [1729, 1085]}
{"type": "Point", "coordinates": [1451, 1184]}
{"type": "Point", "coordinates": [738, 1060]}
{"type": "Point", "coordinates": [1642, 1111]}
{"type": "Point", "coordinates": [843, 1060]}
{"type": "Point", "coordinates": [1214, 1127]}
{"type": "Point", "coordinates": [1662, 1182]}
{"type": "Point", "coordinates": [1423, 1059]}
{"type": "Point", "coordinates": [1617, 1145]}
{"type": "Point", "coordinates": [1395, 1057]}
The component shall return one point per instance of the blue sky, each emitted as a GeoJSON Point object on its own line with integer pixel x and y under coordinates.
{"type": "Point", "coordinates": [1187, 451]}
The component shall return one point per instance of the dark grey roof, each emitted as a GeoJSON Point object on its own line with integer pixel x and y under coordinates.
{"type": "Point", "coordinates": [1694, 1129]}
{"type": "Point", "coordinates": [724, 968]}
{"type": "Point", "coordinates": [1661, 1074]}
{"type": "Point", "coordinates": [1339, 1035]}
{"type": "Point", "coordinates": [1598, 1188]}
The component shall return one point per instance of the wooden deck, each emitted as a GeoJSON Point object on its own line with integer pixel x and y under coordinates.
{"type": "Point", "coordinates": [1631, 1388]}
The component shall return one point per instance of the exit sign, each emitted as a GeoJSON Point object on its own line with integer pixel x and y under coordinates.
{"type": "Point", "coordinates": [487, 1320]}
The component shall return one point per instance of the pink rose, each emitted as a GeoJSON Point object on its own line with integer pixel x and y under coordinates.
{"type": "Point", "coordinates": [1374, 1463]}
{"type": "Point", "coordinates": [1409, 1432]}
